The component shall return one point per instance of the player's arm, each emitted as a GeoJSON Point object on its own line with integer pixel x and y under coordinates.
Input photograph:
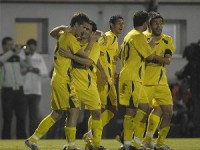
{"type": "Point", "coordinates": [85, 52]}
{"type": "Point", "coordinates": [163, 60]}
{"type": "Point", "coordinates": [5, 56]}
{"type": "Point", "coordinates": [68, 54]}
{"type": "Point", "coordinates": [104, 77]}
{"type": "Point", "coordinates": [103, 35]}
{"type": "Point", "coordinates": [55, 31]}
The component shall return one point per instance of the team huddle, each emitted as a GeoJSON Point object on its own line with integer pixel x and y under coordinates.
{"type": "Point", "coordinates": [85, 73]}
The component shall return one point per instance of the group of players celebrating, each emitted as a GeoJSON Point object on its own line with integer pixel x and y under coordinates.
{"type": "Point", "coordinates": [85, 73]}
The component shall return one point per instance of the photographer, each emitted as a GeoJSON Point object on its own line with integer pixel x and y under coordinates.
{"type": "Point", "coordinates": [33, 66]}
{"type": "Point", "coordinates": [12, 91]}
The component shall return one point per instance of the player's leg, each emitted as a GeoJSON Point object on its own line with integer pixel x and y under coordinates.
{"type": "Point", "coordinates": [110, 107]}
{"type": "Point", "coordinates": [70, 128]}
{"type": "Point", "coordinates": [130, 119]}
{"type": "Point", "coordinates": [140, 124]}
{"type": "Point", "coordinates": [59, 104]}
{"type": "Point", "coordinates": [164, 125]}
{"type": "Point", "coordinates": [96, 127]}
{"type": "Point", "coordinates": [153, 122]}
{"type": "Point", "coordinates": [166, 104]}
{"type": "Point", "coordinates": [43, 128]}
{"type": "Point", "coordinates": [141, 115]}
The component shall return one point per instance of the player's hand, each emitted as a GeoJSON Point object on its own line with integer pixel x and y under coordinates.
{"type": "Point", "coordinates": [92, 38]}
{"type": "Point", "coordinates": [67, 28]}
{"type": "Point", "coordinates": [33, 70]}
{"type": "Point", "coordinates": [65, 53]}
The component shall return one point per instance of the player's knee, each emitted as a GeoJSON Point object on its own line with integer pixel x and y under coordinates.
{"type": "Point", "coordinates": [167, 115]}
{"type": "Point", "coordinates": [56, 114]}
{"type": "Point", "coordinates": [96, 114]}
{"type": "Point", "coordinates": [144, 107]}
{"type": "Point", "coordinates": [113, 109]}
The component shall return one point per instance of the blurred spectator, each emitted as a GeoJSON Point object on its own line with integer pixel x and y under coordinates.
{"type": "Point", "coordinates": [191, 73]}
{"type": "Point", "coordinates": [12, 90]}
{"type": "Point", "coordinates": [34, 67]}
{"type": "Point", "coordinates": [180, 110]}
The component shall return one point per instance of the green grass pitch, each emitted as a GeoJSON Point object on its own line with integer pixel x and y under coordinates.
{"type": "Point", "coordinates": [175, 144]}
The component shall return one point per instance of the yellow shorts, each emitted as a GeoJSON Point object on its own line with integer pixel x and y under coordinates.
{"type": "Point", "coordinates": [131, 93]}
{"type": "Point", "coordinates": [90, 98]}
{"type": "Point", "coordinates": [159, 95]}
{"type": "Point", "coordinates": [63, 95]}
{"type": "Point", "coordinates": [108, 94]}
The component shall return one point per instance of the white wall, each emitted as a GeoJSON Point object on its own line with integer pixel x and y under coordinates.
{"type": "Point", "coordinates": [58, 14]}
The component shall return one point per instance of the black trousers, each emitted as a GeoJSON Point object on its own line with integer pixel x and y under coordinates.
{"type": "Point", "coordinates": [13, 102]}
{"type": "Point", "coordinates": [32, 105]}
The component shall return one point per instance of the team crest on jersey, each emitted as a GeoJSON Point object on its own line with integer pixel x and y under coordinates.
{"type": "Point", "coordinates": [124, 87]}
{"type": "Point", "coordinates": [101, 53]}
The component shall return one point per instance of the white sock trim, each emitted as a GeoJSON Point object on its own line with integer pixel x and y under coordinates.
{"type": "Point", "coordinates": [71, 144]}
{"type": "Point", "coordinates": [89, 133]}
{"type": "Point", "coordinates": [137, 140]}
{"type": "Point", "coordinates": [127, 143]}
{"type": "Point", "coordinates": [35, 137]}
{"type": "Point", "coordinates": [149, 134]}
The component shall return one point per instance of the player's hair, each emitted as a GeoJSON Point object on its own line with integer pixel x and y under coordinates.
{"type": "Point", "coordinates": [113, 19]}
{"type": "Point", "coordinates": [94, 25]}
{"type": "Point", "coordinates": [5, 40]}
{"type": "Point", "coordinates": [31, 42]}
{"type": "Point", "coordinates": [153, 15]}
{"type": "Point", "coordinates": [79, 18]}
{"type": "Point", "coordinates": [139, 18]}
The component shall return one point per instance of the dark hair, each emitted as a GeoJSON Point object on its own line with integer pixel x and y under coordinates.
{"type": "Point", "coordinates": [79, 18]}
{"type": "Point", "coordinates": [5, 40]}
{"type": "Point", "coordinates": [113, 19]}
{"type": "Point", "coordinates": [139, 18]}
{"type": "Point", "coordinates": [154, 15]}
{"type": "Point", "coordinates": [31, 41]}
{"type": "Point", "coordinates": [94, 25]}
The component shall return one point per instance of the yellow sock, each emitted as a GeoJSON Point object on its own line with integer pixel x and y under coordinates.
{"type": "Point", "coordinates": [162, 134]}
{"type": "Point", "coordinates": [153, 122]}
{"type": "Point", "coordinates": [128, 132]}
{"type": "Point", "coordinates": [138, 134]}
{"type": "Point", "coordinates": [97, 132]}
{"type": "Point", "coordinates": [70, 133]}
{"type": "Point", "coordinates": [90, 123]}
{"type": "Point", "coordinates": [106, 116]}
{"type": "Point", "coordinates": [138, 118]}
{"type": "Point", "coordinates": [130, 124]}
{"type": "Point", "coordinates": [42, 129]}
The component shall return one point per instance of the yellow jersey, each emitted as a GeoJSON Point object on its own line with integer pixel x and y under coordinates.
{"type": "Point", "coordinates": [134, 50]}
{"type": "Point", "coordinates": [85, 78]}
{"type": "Point", "coordinates": [109, 53]}
{"type": "Point", "coordinates": [62, 65]}
{"type": "Point", "coordinates": [156, 72]}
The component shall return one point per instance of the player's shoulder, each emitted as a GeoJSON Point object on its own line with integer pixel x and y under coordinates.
{"type": "Point", "coordinates": [166, 38]}
{"type": "Point", "coordinates": [110, 35]}
{"type": "Point", "coordinates": [67, 35]}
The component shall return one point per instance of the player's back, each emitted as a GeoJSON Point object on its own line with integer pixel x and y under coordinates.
{"type": "Point", "coordinates": [134, 51]}
{"type": "Point", "coordinates": [62, 65]}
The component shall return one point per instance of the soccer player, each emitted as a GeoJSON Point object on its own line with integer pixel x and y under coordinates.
{"type": "Point", "coordinates": [62, 90]}
{"type": "Point", "coordinates": [107, 67]}
{"type": "Point", "coordinates": [156, 85]}
{"type": "Point", "coordinates": [135, 50]}
{"type": "Point", "coordinates": [84, 79]}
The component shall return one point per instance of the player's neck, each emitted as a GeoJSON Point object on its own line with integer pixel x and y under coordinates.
{"type": "Point", "coordinates": [157, 37]}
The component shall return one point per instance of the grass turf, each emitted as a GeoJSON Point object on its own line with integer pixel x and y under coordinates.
{"type": "Point", "coordinates": [175, 144]}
